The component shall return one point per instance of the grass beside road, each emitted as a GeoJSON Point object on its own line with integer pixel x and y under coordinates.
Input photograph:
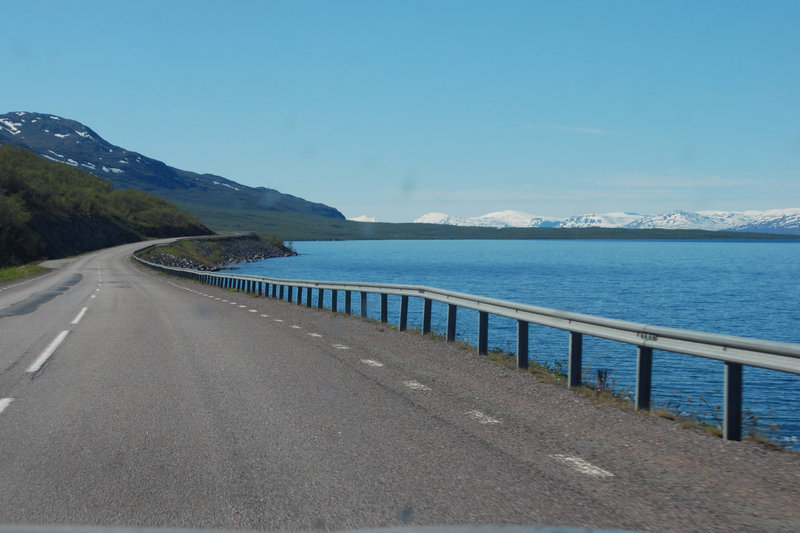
{"type": "Point", "coordinates": [16, 272]}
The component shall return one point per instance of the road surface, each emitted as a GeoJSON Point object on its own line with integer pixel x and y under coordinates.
{"type": "Point", "coordinates": [131, 398]}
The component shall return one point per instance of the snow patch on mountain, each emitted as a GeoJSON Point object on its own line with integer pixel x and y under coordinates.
{"type": "Point", "coordinates": [363, 218]}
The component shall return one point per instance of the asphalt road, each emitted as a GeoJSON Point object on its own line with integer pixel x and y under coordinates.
{"type": "Point", "coordinates": [131, 398]}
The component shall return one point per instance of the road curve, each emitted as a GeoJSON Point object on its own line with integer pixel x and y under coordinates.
{"type": "Point", "coordinates": [129, 398]}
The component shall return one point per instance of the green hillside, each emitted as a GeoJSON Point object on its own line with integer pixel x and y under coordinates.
{"type": "Point", "coordinates": [50, 210]}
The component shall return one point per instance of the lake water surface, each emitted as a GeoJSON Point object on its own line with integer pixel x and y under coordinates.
{"type": "Point", "coordinates": [749, 289]}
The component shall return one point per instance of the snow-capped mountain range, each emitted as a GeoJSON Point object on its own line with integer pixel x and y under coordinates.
{"type": "Point", "coordinates": [771, 221]}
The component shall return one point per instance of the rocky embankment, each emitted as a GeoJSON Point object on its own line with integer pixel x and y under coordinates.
{"type": "Point", "coordinates": [213, 254]}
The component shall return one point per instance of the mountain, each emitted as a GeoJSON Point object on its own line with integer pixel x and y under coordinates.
{"type": "Point", "coordinates": [785, 221]}
{"type": "Point", "coordinates": [50, 210]}
{"type": "Point", "coordinates": [219, 202]}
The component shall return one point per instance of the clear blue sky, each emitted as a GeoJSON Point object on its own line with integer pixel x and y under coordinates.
{"type": "Point", "coordinates": [396, 108]}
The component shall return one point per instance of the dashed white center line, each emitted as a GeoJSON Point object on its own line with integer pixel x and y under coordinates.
{"type": "Point", "coordinates": [371, 362]}
{"type": "Point", "coordinates": [278, 320]}
{"type": "Point", "coordinates": [94, 296]}
{"type": "Point", "coordinates": [5, 402]}
{"type": "Point", "coordinates": [341, 347]}
{"type": "Point", "coordinates": [584, 467]}
{"type": "Point", "coordinates": [415, 385]}
{"type": "Point", "coordinates": [295, 327]}
{"type": "Point", "coordinates": [242, 306]}
{"type": "Point", "coordinates": [50, 350]}
{"type": "Point", "coordinates": [314, 335]}
{"type": "Point", "coordinates": [482, 418]}
{"type": "Point", "coordinates": [80, 315]}
{"type": "Point", "coordinates": [253, 311]}
{"type": "Point", "coordinates": [265, 316]}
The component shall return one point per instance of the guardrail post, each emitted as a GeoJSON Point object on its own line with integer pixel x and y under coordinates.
{"type": "Point", "coordinates": [274, 290]}
{"type": "Point", "coordinates": [321, 299]}
{"type": "Point", "coordinates": [347, 302]}
{"type": "Point", "coordinates": [299, 295]}
{"type": "Point", "coordinates": [308, 296]}
{"type": "Point", "coordinates": [289, 291]}
{"type": "Point", "coordinates": [644, 376]}
{"type": "Point", "coordinates": [522, 344]}
{"type": "Point", "coordinates": [452, 310]}
{"type": "Point", "coordinates": [384, 308]}
{"type": "Point", "coordinates": [575, 366]}
{"type": "Point", "coordinates": [426, 316]}
{"type": "Point", "coordinates": [334, 300]}
{"type": "Point", "coordinates": [732, 422]}
{"type": "Point", "coordinates": [280, 292]}
{"type": "Point", "coordinates": [403, 313]}
{"type": "Point", "coordinates": [483, 333]}
{"type": "Point", "coordinates": [363, 304]}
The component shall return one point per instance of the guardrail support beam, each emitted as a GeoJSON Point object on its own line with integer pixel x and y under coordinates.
{"type": "Point", "coordinates": [522, 344]}
{"type": "Point", "coordinates": [280, 292]}
{"type": "Point", "coordinates": [348, 302]}
{"type": "Point", "coordinates": [426, 316]}
{"type": "Point", "coordinates": [334, 300]}
{"type": "Point", "coordinates": [321, 298]}
{"type": "Point", "coordinates": [384, 308]}
{"type": "Point", "coordinates": [483, 333]}
{"type": "Point", "coordinates": [452, 310]}
{"type": "Point", "coordinates": [575, 359]}
{"type": "Point", "coordinates": [274, 290]}
{"type": "Point", "coordinates": [403, 313]}
{"type": "Point", "coordinates": [289, 291]}
{"type": "Point", "coordinates": [732, 422]}
{"type": "Point", "coordinates": [363, 304]}
{"type": "Point", "coordinates": [644, 377]}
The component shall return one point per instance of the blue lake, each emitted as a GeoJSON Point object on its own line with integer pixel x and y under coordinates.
{"type": "Point", "coordinates": [749, 289]}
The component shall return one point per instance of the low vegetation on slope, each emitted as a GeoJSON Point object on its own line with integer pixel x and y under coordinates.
{"type": "Point", "coordinates": [50, 210]}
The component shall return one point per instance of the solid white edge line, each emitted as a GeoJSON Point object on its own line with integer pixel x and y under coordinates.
{"type": "Point", "coordinates": [80, 315]}
{"type": "Point", "coordinates": [45, 355]}
{"type": "Point", "coordinates": [5, 402]}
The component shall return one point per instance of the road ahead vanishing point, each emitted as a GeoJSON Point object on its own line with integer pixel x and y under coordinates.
{"type": "Point", "coordinates": [131, 398]}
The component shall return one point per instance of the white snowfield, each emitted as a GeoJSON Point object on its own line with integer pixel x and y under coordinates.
{"type": "Point", "coordinates": [782, 220]}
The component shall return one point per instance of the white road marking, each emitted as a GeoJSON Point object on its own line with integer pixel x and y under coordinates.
{"type": "Point", "coordinates": [278, 320]}
{"type": "Point", "coordinates": [253, 311]}
{"type": "Point", "coordinates": [242, 306]}
{"type": "Point", "coordinates": [50, 350]}
{"type": "Point", "coordinates": [314, 335]}
{"type": "Point", "coordinates": [482, 418]}
{"type": "Point", "coordinates": [584, 467]}
{"type": "Point", "coordinates": [341, 347]}
{"type": "Point", "coordinates": [80, 316]}
{"type": "Point", "coordinates": [94, 296]}
{"type": "Point", "coordinates": [5, 402]}
{"type": "Point", "coordinates": [265, 316]}
{"type": "Point", "coordinates": [295, 327]}
{"type": "Point", "coordinates": [371, 362]}
{"type": "Point", "coordinates": [415, 385]}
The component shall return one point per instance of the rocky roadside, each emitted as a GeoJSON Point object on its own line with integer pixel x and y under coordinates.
{"type": "Point", "coordinates": [217, 253]}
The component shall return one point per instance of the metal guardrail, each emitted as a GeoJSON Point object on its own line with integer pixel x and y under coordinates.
{"type": "Point", "coordinates": [736, 352]}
